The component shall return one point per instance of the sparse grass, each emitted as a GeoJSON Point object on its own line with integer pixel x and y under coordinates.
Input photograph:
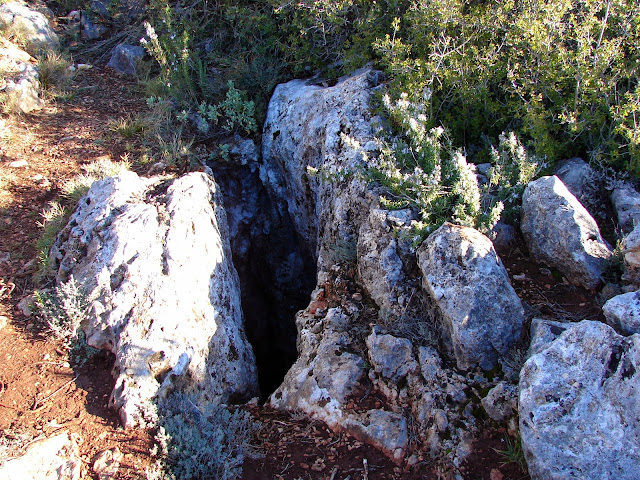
{"type": "Point", "coordinates": [129, 126]}
{"type": "Point", "coordinates": [54, 218]}
{"type": "Point", "coordinates": [513, 453]}
{"type": "Point", "coordinates": [76, 188]}
{"type": "Point", "coordinates": [54, 72]}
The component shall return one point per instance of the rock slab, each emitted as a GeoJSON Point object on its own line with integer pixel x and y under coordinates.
{"type": "Point", "coordinates": [560, 232]}
{"type": "Point", "coordinates": [579, 405]}
{"type": "Point", "coordinates": [154, 259]}
{"type": "Point", "coordinates": [482, 314]}
{"type": "Point", "coordinates": [31, 27]}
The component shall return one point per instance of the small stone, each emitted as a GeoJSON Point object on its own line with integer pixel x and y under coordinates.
{"type": "Point", "coordinates": [19, 164]}
{"type": "Point", "coordinates": [3, 321]}
{"type": "Point", "coordinates": [357, 297]}
{"type": "Point", "coordinates": [107, 462]}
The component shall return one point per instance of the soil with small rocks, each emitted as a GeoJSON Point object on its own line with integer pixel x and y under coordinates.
{"type": "Point", "coordinates": [43, 391]}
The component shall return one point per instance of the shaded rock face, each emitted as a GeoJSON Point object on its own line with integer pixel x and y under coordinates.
{"type": "Point", "coordinates": [560, 232]}
{"type": "Point", "coordinates": [276, 273]}
{"type": "Point", "coordinates": [155, 262]}
{"type": "Point", "coordinates": [31, 26]}
{"type": "Point", "coordinates": [125, 58]}
{"type": "Point", "coordinates": [626, 201]}
{"type": "Point", "coordinates": [579, 403]}
{"type": "Point", "coordinates": [481, 311]}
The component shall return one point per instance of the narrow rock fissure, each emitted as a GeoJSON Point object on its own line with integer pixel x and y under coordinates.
{"type": "Point", "coordinates": [276, 274]}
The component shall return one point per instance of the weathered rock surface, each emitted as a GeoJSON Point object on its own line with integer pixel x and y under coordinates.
{"type": "Point", "coordinates": [560, 232]}
{"type": "Point", "coordinates": [54, 458]}
{"type": "Point", "coordinates": [623, 313]}
{"type": "Point", "coordinates": [364, 258]}
{"type": "Point", "coordinates": [543, 332]}
{"type": "Point", "coordinates": [125, 58]}
{"type": "Point", "coordinates": [626, 201]}
{"type": "Point", "coordinates": [579, 405]}
{"type": "Point", "coordinates": [581, 180]}
{"type": "Point", "coordinates": [501, 402]}
{"type": "Point", "coordinates": [481, 311]}
{"type": "Point", "coordinates": [33, 28]}
{"type": "Point", "coordinates": [307, 126]}
{"type": "Point", "coordinates": [21, 82]}
{"type": "Point", "coordinates": [153, 258]}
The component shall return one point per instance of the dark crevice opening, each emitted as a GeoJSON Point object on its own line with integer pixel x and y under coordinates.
{"type": "Point", "coordinates": [276, 274]}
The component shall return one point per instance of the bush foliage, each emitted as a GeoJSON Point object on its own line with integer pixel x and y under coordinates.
{"type": "Point", "coordinates": [561, 74]}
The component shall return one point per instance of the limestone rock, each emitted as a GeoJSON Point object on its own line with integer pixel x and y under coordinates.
{"type": "Point", "coordinates": [54, 458]}
{"type": "Point", "coordinates": [631, 245]}
{"type": "Point", "coordinates": [623, 313]}
{"type": "Point", "coordinates": [21, 82]}
{"type": "Point", "coordinates": [543, 332]}
{"type": "Point", "coordinates": [380, 266]}
{"type": "Point", "coordinates": [387, 431]}
{"type": "Point", "coordinates": [579, 403]}
{"type": "Point", "coordinates": [30, 26]}
{"type": "Point", "coordinates": [390, 356]}
{"type": "Point", "coordinates": [501, 402]}
{"type": "Point", "coordinates": [154, 259]}
{"type": "Point", "coordinates": [325, 373]}
{"type": "Point", "coordinates": [560, 232]}
{"type": "Point", "coordinates": [482, 313]}
{"type": "Point", "coordinates": [107, 463]}
{"type": "Point", "coordinates": [626, 201]}
{"type": "Point", "coordinates": [310, 127]}
{"type": "Point", "coordinates": [125, 58]}
{"type": "Point", "coordinates": [581, 180]}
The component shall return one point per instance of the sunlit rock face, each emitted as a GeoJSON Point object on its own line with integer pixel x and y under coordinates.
{"type": "Point", "coordinates": [154, 259]}
{"type": "Point", "coordinates": [579, 404]}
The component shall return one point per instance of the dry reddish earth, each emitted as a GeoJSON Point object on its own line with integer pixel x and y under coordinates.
{"type": "Point", "coordinates": [42, 392]}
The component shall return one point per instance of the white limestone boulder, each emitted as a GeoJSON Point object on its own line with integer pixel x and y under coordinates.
{"type": "Point", "coordinates": [579, 405]}
{"type": "Point", "coordinates": [154, 259]}
{"type": "Point", "coordinates": [482, 314]}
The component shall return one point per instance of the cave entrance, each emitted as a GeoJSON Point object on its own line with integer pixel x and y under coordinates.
{"type": "Point", "coordinates": [276, 273]}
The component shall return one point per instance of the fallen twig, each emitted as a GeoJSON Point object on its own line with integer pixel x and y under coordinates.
{"type": "Point", "coordinates": [41, 402]}
{"type": "Point", "coordinates": [365, 464]}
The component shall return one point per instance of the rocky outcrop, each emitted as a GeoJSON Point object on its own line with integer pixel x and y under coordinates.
{"type": "Point", "coordinates": [623, 313]}
{"type": "Point", "coordinates": [579, 404]}
{"type": "Point", "coordinates": [154, 260]}
{"type": "Point", "coordinates": [481, 311]}
{"type": "Point", "coordinates": [370, 327]}
{"type": "Point", "coordinates": [31, 28]}
{"type": "Point", "coordinates": [21, 83]}
{"type": "Point", "coordinates": [560, 232]}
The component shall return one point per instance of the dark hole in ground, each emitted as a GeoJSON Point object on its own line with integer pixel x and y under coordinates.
{"type": "Point", "coordinates": [276, 275]}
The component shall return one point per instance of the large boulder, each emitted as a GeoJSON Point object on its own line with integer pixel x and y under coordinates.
{"type": "Point", "coordinates": [154, 260]}
{"type": "Point", "coordinates": [27, 27]}
{"type": "Point", "coordinates": [579, 405]}
{"type": "Point", "coordinates": [481, 311]}
{"type": "Point", "coordinates": [560, 232]}
{"type": "Point", "coordinates": [623, 312]}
